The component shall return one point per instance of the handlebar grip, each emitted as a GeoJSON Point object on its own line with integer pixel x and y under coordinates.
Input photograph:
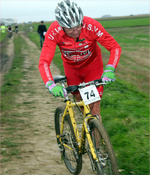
{"type": "Point", "coordinates": [73, 88]}
{"type": "Point", "coordinates": [98, 81]}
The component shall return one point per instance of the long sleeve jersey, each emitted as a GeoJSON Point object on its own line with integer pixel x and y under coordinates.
{"type": "Point", "coordinates": [80, 52]}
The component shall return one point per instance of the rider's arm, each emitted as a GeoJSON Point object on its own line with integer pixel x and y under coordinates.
{"type": "Point", "coordinates": [107, 41]}
{"type": "Point", "coordinates": [111, 45]}
{"type": "Point", "coordinates": [46, 57]}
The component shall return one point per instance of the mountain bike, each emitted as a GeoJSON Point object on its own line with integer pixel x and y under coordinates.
{"type": "Point", "coordinates": [90, 137]}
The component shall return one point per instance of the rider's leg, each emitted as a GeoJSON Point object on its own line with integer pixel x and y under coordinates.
{"type": "Point", "coordinates": [94, 107]}
{"type": "Point", "coordinates": [78, 98]}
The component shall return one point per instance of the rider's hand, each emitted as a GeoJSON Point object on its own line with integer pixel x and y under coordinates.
{"type": "Point", "coordinates": [108, 75]}
{"type": "Point", "coordinates": [56, 90]}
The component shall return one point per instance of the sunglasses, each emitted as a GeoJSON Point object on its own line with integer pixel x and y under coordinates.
{"type": "Point", "coordinates": [78, 28]}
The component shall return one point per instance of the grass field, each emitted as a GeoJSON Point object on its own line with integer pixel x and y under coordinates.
{"type": "Point", "coordinates": [132, 22]}
{"type": "Point", "coordinates": [125, 104]}
{"type": "Point", "coordinates": [3, 36]}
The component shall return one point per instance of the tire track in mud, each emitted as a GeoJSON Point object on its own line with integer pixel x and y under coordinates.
{"type": "Point", "coordinates": [8, 58]}
{"type": "Point", "coordinates": [39, 152]}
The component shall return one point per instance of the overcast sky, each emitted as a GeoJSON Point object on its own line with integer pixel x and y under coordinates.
{"type": "Point", "coordinates": [37, 10]}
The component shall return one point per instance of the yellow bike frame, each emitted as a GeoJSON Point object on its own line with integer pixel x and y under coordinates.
{"type": "Point", "coordinates": [85, 129]}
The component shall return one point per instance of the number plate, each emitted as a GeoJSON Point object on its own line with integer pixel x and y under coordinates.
{"type": "Point", "coordinates": [89, 94]}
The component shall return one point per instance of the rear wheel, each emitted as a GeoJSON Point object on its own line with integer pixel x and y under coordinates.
{"type": "Point", "coordinates": [107, 164]}
{"type": "Point", "coordinates": [67, 143]}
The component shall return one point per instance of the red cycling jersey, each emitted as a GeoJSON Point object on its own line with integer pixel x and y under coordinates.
{"type": "Point", "coordinates": [77, 53]}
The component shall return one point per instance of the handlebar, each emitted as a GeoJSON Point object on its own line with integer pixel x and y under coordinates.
{"type": "Point", "coordinates": [75, 88]}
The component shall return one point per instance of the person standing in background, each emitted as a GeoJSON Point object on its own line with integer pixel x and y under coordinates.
{"type": "Point", "coordinates": [42, 31]}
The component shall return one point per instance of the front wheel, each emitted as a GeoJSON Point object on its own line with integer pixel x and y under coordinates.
{"type": "Point", "coordinates": [107, 164]}
{"type": "Point", "coordinates": [67, 143]}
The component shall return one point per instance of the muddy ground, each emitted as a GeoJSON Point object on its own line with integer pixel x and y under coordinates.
{"type": "Point", "coordinates": [39, 151]}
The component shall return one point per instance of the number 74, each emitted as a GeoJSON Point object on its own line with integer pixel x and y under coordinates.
{"type": "Point", "coordinates": [89, 94]}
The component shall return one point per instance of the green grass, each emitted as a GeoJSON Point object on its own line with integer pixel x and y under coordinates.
{"type": "Point", "coordinates": [125, 115]}
{"type": "Point", "coordinates": [34, 36]}
{"type": "Point", "coordinates": [131, 37]}
{"type": "Point", "coordinates": [3, 36]}
{"type": "Point", "coordinates": [134, 22]}
{"type": "Point", "coordinates": [11, 121]}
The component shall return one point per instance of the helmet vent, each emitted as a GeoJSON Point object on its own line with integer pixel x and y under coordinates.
{"type": "Point", "coordinates": [68, 14]}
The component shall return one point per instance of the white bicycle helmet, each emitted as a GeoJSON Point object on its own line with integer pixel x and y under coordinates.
{"type": "Point", "coordinates": [68, 14]}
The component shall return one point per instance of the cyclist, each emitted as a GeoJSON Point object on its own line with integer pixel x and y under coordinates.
{"type": "Point", "coordinates": [9, 29]}
{"type": "Point", "coordinates": [77, 37]}
{"type": "Point", "coordinates": [42, 30]}
{"type": "Point", "coordinates": [16, 28]}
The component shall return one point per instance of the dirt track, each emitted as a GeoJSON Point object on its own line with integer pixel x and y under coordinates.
{"type": "Point", "coordinates": [10, 54]}
{"type": "Point", "coordinates": [39, 152]}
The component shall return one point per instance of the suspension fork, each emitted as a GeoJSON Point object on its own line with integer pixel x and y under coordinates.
{"type": "Point", "coordinates": [87, 130]}
{"type": "Point", "coordinates": [69, 110]}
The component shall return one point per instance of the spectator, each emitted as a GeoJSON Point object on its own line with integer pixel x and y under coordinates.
{"type": "Point", "coordinates": [42, 31]}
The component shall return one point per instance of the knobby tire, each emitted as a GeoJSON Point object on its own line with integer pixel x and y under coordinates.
{"type": "Point", "coordinates": [103, 148]}
{"type": "Point", "coordinates": [69, 139]}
